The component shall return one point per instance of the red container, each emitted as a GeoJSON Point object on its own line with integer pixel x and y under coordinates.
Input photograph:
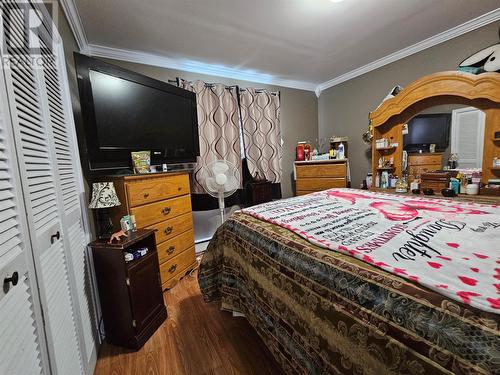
{"type": "Point", "coordinates": [299, 152]}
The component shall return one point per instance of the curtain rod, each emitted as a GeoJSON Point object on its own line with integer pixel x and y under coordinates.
{"type": "Point", "coordinates": [207, 84]}
{"type": "Point", "coordinates": [257, 91]}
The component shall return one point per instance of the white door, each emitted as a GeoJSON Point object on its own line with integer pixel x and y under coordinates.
{"type": "Point", "coordinates": [22, 338]}
{"type": "Point", "coordinates": [467, 136]}
{"type": "Point", "coordinates": [70, 192]}
{"type": "Point", "coordinates": [39, 181]}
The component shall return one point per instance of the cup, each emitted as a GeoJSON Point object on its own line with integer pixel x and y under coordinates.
{"type": "Point", "coordinates": [472, 189]}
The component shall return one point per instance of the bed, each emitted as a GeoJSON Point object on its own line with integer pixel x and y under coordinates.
{"type": "Point", "coordinates": [321, 311]}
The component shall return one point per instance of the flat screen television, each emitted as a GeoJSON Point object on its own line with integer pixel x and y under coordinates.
{"type": "Point", "coordinates": [426, 129]}
{"type": "Point", "coordinates": [124, 111]}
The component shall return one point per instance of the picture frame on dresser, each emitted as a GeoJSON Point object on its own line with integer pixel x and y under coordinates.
{"type": "Point", "coordinates": [160, 202]}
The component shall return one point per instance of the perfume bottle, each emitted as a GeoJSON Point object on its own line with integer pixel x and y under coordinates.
{"type": "Point", "coordinates": [401, 185]}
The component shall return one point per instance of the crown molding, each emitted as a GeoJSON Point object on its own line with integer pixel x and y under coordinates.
{"type": "Point", "coordinates": [444, 36]}
{"type": "Point", "coordinates": [75, 23]}
{"type": "Point", "coordinates": [74, 20]}
{"type": "Point", "coordinates": [196, 67]}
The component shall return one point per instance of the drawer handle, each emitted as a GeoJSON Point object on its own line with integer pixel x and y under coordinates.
{"type": "Point", "coordinates": [166, 210]}
{"type": "Point", "coordinates": [168, 230]}
{"type": "Point", "coordinates": [172, 268]}
{"type": "Point", "coordinates": [146, 195]}
{"type": "Point", "coordinates": [170, 250]}
{"type": "Point", "coordinates": [179, 188]}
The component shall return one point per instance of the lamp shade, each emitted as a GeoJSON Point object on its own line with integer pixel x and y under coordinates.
{"type": "Point", "coordinates": [104, 195]}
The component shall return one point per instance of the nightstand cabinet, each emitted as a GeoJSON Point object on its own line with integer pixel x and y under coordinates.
{"type": "Point", "coordinates": [260, 192]}
{"type": "Point", "coordinates": [130, 292]}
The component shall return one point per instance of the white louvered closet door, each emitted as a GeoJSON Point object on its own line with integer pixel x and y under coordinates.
{"type": "Point", "coordinates": [39, 181]}
{"type": "Point", "coordinates": [467, 136]}
{"type": "Point", "coordinates": [70, 190]}
{"type": "Point", "coordinates": [20, 351]}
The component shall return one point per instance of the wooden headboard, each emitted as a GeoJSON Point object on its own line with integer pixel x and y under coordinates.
{"type": "Point", "coordinates": [481, 91]}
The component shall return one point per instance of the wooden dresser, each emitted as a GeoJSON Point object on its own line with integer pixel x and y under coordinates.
{"type": "Point", "coordinates": [161, 202]}
{"type": "Point", "coordinates": [422, 163]}
{"type": "Point", "coordinates": [320, 175]}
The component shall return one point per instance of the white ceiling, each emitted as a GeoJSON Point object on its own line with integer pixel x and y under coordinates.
{"type": "Point", "coordinates": [302, 42]}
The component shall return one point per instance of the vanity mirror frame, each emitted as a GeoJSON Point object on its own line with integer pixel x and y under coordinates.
{"type": "Point", "coordinates": [481, 91]}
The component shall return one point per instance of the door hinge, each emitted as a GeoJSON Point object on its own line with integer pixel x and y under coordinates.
{"type": "Point", "coordinates": [133, 323]}
{"type": "Point", "coordinates": [127, 281]}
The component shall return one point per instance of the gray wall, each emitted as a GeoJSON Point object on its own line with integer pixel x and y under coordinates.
{"type": "Point", "coordinates": [299, 110]}
{"type": "Point", "coordinates": [343, 109]}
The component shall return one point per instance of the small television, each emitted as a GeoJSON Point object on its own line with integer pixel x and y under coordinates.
{"type": "Point", "coordinates": [423, 130]}
{"type": "Point", "coordinates": [124, 111]}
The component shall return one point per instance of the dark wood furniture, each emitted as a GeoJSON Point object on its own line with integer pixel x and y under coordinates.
{"type": "Point", "coordinates": [260, 192]}
{"type": "Point", "coordinates": [130, 292]}
{"type": "Point", "coordinates": [435, 180]}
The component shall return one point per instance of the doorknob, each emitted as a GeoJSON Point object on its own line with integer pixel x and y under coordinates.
{"type": "Point", "coordinates": [13, 279]}
{"type": "Point", "coordinates": [55, 237]}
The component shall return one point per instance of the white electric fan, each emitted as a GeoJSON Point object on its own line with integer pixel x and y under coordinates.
{"type": "Point", "coordinates": [221, 179]}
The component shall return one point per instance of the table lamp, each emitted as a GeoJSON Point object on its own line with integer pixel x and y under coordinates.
{"type": "Point", "coordinates": [103, 198]}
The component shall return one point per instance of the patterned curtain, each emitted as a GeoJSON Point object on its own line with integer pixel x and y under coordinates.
{"type": "Point", "coordinates": [260, 116]}
{"type": "Point", "coordinates": [218, 127]}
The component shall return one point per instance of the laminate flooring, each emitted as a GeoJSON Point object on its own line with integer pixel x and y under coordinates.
{"type": "Point", "coordinates": [196, 339]}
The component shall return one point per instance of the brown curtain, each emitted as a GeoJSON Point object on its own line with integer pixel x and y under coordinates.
{"type": "Point", "coordinates": [218, 127]}
{"type": "Point", "coordinates": [260, 116]}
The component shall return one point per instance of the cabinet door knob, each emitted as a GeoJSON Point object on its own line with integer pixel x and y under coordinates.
{"type": "Point", "coordinates": [13, 279]}
{"type": "Point", "coordinates": [146, 195]}
{"type": "Point", "coordinates": [166, 210]}
{"type": "Point", "coordinates": [55, 237]}
{"type": "Point", "coordinates": [168, 230]}
{"type": "Point", "coordinates": [172, 268]}
{"type": "Point", "coordinates": [170, 250]}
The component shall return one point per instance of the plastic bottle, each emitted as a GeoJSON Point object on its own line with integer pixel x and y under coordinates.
{"type": "Point", "coordinates": [340, 152]}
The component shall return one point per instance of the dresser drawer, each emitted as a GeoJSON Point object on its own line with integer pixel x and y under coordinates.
{"type": "Point", "coordinates": [174, 246]}
{"type": "Point", "coordinates": [318, 184]}
{"type": "Point", "coordinates": [155, 212]}
{"type": "Point", "coordinates": [177, 264]}
{"type": "Point", "coordinates": [419, 169]}
{"type": "Point", "coordinates": [321, 170]}
{"type": "Point", "coordinates": [172, 227]}
{"type": "Point", "coordinates": [154, 189]}
{"type": "Point", "coordinates": [425, 160]}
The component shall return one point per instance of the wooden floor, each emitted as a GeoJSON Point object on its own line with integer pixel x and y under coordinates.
{"type": "Point", "coordinates": [196, 339]}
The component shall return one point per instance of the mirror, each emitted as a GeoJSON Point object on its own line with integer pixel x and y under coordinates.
{"type": "Point", "coordinates": [445, 137]}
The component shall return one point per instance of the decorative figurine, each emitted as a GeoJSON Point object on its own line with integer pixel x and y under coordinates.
{"type": "Point", "coordinates": [117, 236]}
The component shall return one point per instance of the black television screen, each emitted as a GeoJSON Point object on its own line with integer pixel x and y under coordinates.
{"type": "Point", "coordinates": [426, 129]}
{"type": "Point", "coordinates": [125, 111]}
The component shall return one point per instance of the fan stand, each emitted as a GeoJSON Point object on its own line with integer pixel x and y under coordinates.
{"type": "Point", "coordinates": [221, 206]}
